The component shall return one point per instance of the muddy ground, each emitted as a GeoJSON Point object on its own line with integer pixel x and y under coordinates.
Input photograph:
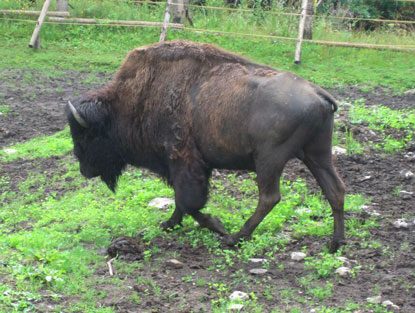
{"type": "Point", "coordinates": [36, 104]}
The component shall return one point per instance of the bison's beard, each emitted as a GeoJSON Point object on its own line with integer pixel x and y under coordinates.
{"type": "Point", "coordinates": [110, 181]}
{"type": "Point", "coordinates": [110, 177]}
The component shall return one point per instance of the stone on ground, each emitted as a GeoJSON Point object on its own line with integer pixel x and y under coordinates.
{"type": "Point", "coordinates": [298, 256]}
{"type": "Point", "coordinates": [238, 295]}
{"type": "Point", "coordinates": [161, 203]}
{"type": "Point", "coordinates": [174, 263]}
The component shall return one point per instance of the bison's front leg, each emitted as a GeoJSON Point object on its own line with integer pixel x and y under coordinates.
{"type": "Point", "coordinates": [174, 220]}
{"type": "Point", "coordinates": [191, 190]}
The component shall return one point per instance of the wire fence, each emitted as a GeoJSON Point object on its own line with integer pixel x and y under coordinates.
{"type": "Point", "coordinates": [115, 23]}
{"type": "Point", "coordinates": [277, 12]}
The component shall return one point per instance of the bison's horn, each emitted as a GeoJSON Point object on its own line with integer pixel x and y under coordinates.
{"type": "Point", "coordinates": [77, 117]}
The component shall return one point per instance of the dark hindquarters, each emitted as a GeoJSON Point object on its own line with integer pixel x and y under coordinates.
{"type": "Point", "coordinates": [318, 158]}
{"type": "Point", "coordinates": [270, 161]}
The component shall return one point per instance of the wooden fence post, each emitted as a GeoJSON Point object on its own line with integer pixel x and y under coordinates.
{"type": "Point", "coordinates": [61, 5]}
{"type": "Point", "coordinates": [297, 58]}
{"type": "Point", "coordinates": [35, 35]}
{"type": "Point", "coordinates": [179, 13]}
{"type": "Point", "coordinates": [308, 25]}
{"type": "Point", "coordinates": [166, 21]}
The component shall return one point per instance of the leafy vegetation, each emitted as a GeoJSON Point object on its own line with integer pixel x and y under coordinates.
{"type": "Point", "coordinates": [69, 46]}
{"type": "Point", "coordinates": [381, 118]}
{"type": "Point", "coordinates": [41, 147]}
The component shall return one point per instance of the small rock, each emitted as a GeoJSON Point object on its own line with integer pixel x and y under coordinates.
{"type": "Point", "coordinates": [401, 223]}
{"type": "Point", "coordinates": [406, 195]}
{"type": "Point", "coordinates": [298, 256]}
{"type": "Point", "coordinates": [343, 271]}
{"type": "Point", "coordinates": [258, 271]}
{"type": "Point", "coordinates": [235, 307]}
{"type": "Point", "coordinates": [391, 304]}
{"type": "Point", "coordinates": [174, 263]}
{"type": "Point", "coordinates": [48, 278]}
{"type": "Point", "coordinates": [10, 151]}
{"type": "Point", "coordinates": [374, 213]}
{"type": "Point", "coordinates": [368, 177]}
{"type": "Point", "coordinates": [343, 259]}
{"type": "Point", "coordinates": [304, 210]}
{"type": "Point", "coordinates": [410, 92]}
{"type": "Point", "coordinates": [238, 295]}
{"type": "Point", "coordinates": [338, 150]}
{"type": "Point", "coordinates": [255, 260]}
{"type": "Point", "coordinates": [374, 300]}
{"type": "Point", "coordinates": [410, 156]}
{"type": "Point", "coordinates": [406, 174]}
{"type": "Point", "coordinates": [161, 203]}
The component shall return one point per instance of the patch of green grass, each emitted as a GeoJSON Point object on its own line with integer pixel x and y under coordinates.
{"type": "Point", "coordinates": [43, 240]}
{"type": "Point", "coordinates": [352, 145]}
{"type": "Point", "coordinates": [324, 265]}
{"type": "Point", "coordinates": [70, 46]}
{"type": "Point", "coordinates": [381, 118]}
{"type": "Point", "coordinates": [4, 109]}
{"type": "Point", "coordinates": [40, 147]}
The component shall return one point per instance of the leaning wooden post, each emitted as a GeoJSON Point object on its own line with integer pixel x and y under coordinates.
{"type": "Point", "coordinates": [166, 21]}
{"type": "Point", "coordinates": [39, 23]}
{"type": "Point", "coordinates": [297, 58]}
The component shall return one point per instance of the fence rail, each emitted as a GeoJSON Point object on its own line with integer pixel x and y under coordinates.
{"type": "Point", "coordinates": [63, 18]}
{"type": "Point", "coordinates": [277, 12]}
{"type": "Point", "coordinates": [115, 23]}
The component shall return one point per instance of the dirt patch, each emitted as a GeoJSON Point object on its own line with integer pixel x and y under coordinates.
{"type": "Point", "coordinates": [49, 169]}
{"type": "Point", "coordinates": [36, 108]}
{"type": "Point", "coordinates": [376, 96]}
{"type": "Point", "coordinates": [36, 101]}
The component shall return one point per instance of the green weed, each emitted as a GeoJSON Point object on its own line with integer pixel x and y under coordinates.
{"type": "Point", "coordinates": [40, 147]}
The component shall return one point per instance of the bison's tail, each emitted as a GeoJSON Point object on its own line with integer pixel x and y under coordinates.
{"type": "Point", "coordinates": [328, 97]}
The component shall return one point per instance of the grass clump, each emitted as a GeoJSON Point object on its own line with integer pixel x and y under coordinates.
{"type": "Point", "coordinates": [383, 119]}
{"type": "Point", "coordinates": [70, 46]}
{"type": "Point", "coordinates": [57, 144]}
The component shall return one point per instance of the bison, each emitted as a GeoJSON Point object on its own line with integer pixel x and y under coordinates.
{"type": "Point", "coordinates": [182, 109]}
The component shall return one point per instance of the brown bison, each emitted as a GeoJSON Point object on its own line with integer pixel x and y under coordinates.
{"type": "Point", "coordinates": [181, 109]}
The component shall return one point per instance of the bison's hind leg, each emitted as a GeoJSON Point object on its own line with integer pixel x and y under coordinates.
{"type": "Point", "coordinates": [318, 158]}
{"type": "Point", "coordinates": [269, 166]}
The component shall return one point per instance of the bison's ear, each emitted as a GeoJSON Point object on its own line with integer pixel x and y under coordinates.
{"type": "Point", "coordinates": [91, 113]}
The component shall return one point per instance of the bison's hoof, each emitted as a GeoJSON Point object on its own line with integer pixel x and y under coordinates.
{"type": "Point", "coordinates": [169, 225]}
{"type": "Point", "coordinates": [336, 244]}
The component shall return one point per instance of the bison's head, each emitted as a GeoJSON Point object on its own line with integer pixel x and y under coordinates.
{"type": "Point", "coordinates": [98, 152]}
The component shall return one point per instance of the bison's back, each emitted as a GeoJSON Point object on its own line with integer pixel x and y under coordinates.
{"type": "Point", "coordinates": [238, 113]}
